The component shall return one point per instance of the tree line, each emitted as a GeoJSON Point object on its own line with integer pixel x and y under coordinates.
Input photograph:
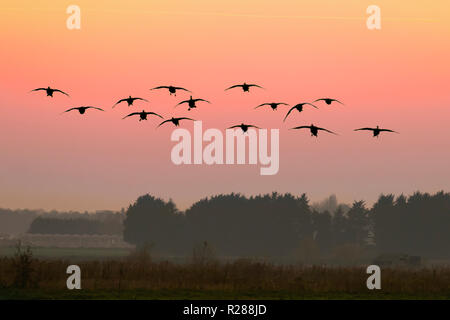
{"type": "Point", "coordinates": [100, 222]}
{"type": "Point", "coordinates": [279, 224]}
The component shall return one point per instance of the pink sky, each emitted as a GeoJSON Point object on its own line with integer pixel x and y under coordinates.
{"type": "Point", "coordinates": [397, 77]}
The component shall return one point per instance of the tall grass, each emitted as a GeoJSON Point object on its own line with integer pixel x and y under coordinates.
{"type": "Point", "coordinates": [138, 271]}
{"type": "Point", "coordinates": [24, 267]}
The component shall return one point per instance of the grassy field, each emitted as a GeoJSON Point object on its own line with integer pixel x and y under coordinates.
{"type": "Point", "coordinates": [124, 275]}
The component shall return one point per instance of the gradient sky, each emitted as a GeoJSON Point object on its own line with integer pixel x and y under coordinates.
{"type": "Point", "coordinates": [397, 77]}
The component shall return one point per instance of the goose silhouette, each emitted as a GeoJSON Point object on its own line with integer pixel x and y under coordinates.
{"type": "Point", "coordinates": [299, 108]}
{"type": "Point", "coordinates": [172, 89]}
{"type": "Point", "coordinates": [191, 103]}
{"type": "Point", "coordinates": [273, 105]}
{"type": "Point", "coordinates": [244, 127]}
{"type": "Point", "coordinates": [83, 109]}
{"type": "Point", "coordinates": [50, 91]}
{"type": "Point", "coordinates": [245, 87]}
{"type": "Point", "coordinates": [175, 121]}
{"type": "Point", "coordinates": [142, 115]}
{"type": "Point", "coordinates": [130, 100]}
{"type": "Point", "coordinates": [314, 130]}
{"type": "Point", "coordinates": [376, 131]}
{"type": "Point", "coordinates": [328, 101]}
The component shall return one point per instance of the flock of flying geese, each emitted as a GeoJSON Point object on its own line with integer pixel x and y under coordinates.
{"type": "Point", "coordinates": [192, 103]}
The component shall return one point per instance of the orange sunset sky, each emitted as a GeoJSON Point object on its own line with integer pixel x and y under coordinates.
{"type": "Point", "coordinates": [397, 77]}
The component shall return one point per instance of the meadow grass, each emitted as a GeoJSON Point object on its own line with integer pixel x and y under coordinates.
{"type": "Point", "coordinates": [136, 276]}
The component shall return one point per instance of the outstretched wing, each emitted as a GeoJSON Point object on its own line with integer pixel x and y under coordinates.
{"type": "Point", "coordinates": [184, 118]}
{"type": "Point", "coordinates": [57, 90]}
{"type": "Point", "coordinates": [255, 85]}
{"type": "Point", "coordinates": [235, 86]}
{"type": "Point", "coordinates": [252, 126]}
{"type": "Point", "coordinates": [90, 107]}
{"type": "Point", "coordinates": [388, 130]}
{"type": "Point", "coordinates": [261, 105]}
{"type": "Point", "coordinates": [301, 127]}
{"type": "Point", "coordinates": [160, 87]}
{"type": "Point", "coordinates": [360, 129]}
{"type": "Point", "coordinates": [185, 101]}
{"type": "Point", "coordinates": [38, 89]}
{"type": "Point", "coordinates": [236, 126]}
{"type": "Point", "coordinates": [131, 114]}
{"type": "Point", "coordinates": [163, 122]}
{"type": "Point", "coordinates": [336, 101]}
{"type": "Point", "coordinates": [310, 104]}
{"type": "Point", "coordinates": [290, 110]}
{"type": "Point", "coordinates": [76, 108]}
{"type": "Point", "coordinates": [202, 100]}
{"type": "Point", "coordinates": [155, 114]}
{"type": "Point", "coordinates": [120, 101]}
{"type": "Point", "coordinates": [140, 99]}
{"type": "Point", "coordinates": [323, 129]}
{"type": "Point", "coordinates": [180, 88]}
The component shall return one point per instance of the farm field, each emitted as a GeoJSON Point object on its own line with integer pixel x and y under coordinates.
{"type": "Point", "coordinates": [136, 275]}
